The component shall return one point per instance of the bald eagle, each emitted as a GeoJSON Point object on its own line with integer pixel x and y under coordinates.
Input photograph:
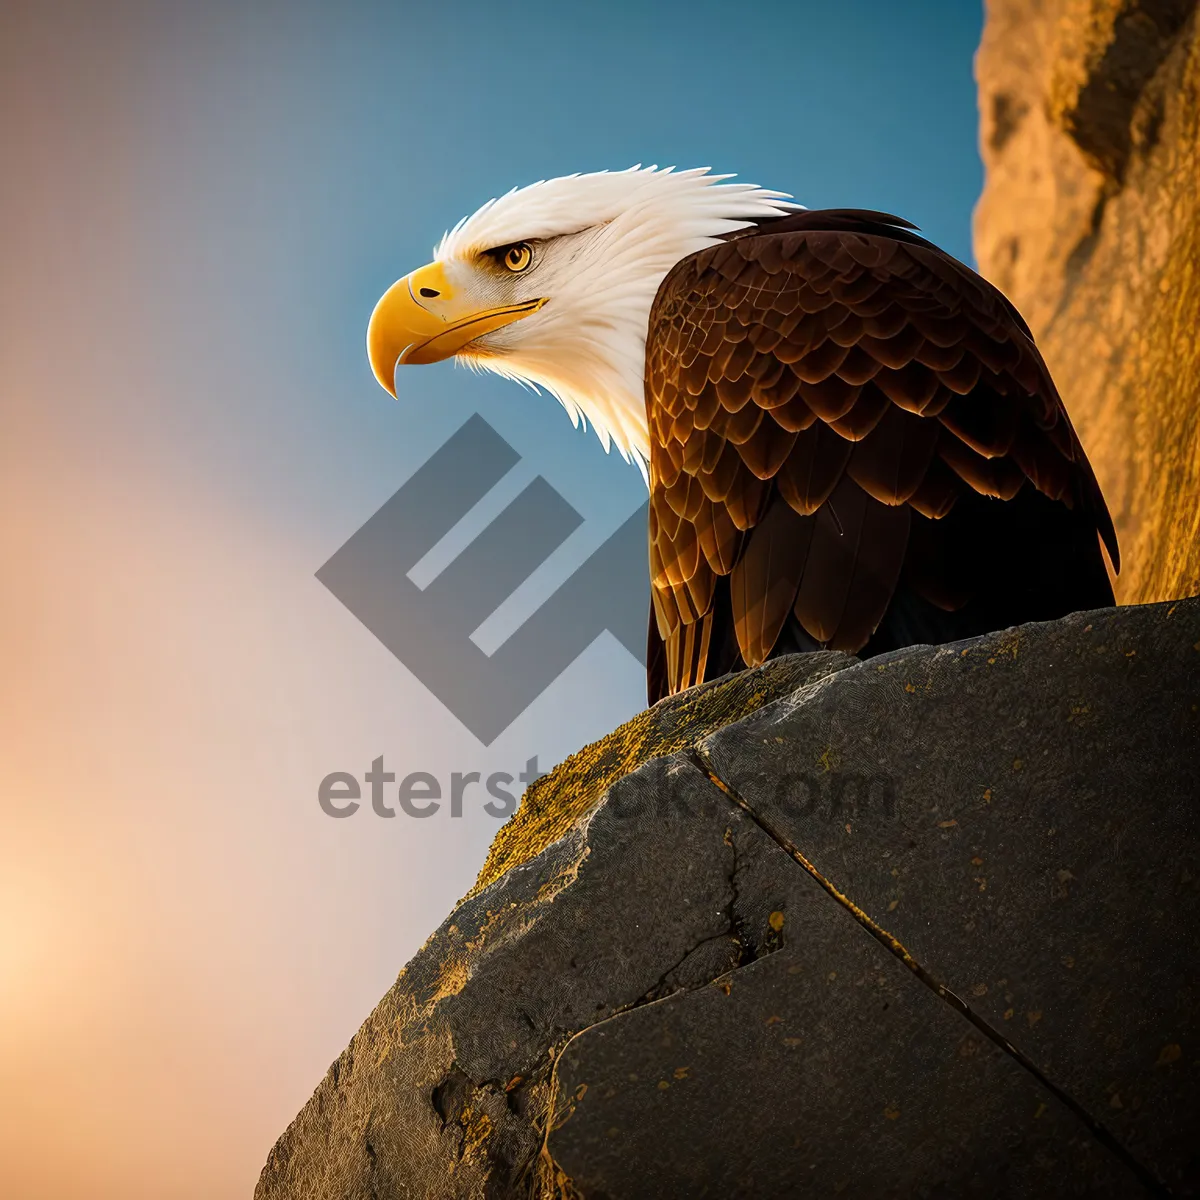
{"type": "Point", "coordinates": [849, 437]}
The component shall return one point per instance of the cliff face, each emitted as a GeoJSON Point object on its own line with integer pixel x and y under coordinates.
{"type": "Point", "coordinates": [1090, 223]}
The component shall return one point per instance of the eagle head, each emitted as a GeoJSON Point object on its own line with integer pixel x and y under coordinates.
{"type": "Point", "coordinates": [552, 285]}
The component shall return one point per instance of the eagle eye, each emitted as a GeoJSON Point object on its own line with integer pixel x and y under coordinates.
{"type": "Point", "coordinates": [517, 257]}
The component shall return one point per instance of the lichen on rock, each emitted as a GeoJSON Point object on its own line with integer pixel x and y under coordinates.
{"type": "Point", "coordinates": [552, 804]}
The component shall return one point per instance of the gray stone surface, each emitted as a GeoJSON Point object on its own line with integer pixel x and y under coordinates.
{"type": "Point", "coordinates": [554, 804]}
{"type": "Point", "coordinates": [1037, 847]}
{"type": "Point", "coordinates": [446, 1089]}
{"type": "Point", "coordinates": [924, 927]}
{"type": "Point", "coordinates": [825, 1069]}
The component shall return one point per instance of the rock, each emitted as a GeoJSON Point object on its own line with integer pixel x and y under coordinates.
{"type": "Point", "coordinates": [923, 925]}
{"type": "Point", "coordinates": [1090, 222]}
{"type": "Point", "coordinates": [449, 1078]}
{"type": "Point", "coordinates": [555, 802]}
{"type": "Point", "coordinates": [1040, 858]}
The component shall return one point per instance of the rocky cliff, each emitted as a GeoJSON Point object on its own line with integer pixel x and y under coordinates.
{"type": "Point", "coordinates": [1090, 222]}
{"type": "Point", "coordinates": [923, 925]}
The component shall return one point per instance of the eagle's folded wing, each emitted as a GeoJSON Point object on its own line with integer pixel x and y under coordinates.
{"type": "Point", "coordinates": [820, 393]}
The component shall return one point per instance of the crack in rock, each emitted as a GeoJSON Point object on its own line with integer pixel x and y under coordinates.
{"type": "Point", "coordinates": [1095, 1127]}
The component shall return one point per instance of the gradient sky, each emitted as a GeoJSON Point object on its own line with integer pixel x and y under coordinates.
{"type": "Point", "coordinates": [199, 205]}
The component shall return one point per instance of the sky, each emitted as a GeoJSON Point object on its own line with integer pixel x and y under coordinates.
{"type": "Point", "coordinates": [199, 205]}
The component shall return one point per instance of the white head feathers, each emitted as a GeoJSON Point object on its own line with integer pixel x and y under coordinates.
{"type": "Point", "coordinates": [603, 242]}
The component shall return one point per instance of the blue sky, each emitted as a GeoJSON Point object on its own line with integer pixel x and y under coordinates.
{"type": "Point", "coordinates": [201, 206]}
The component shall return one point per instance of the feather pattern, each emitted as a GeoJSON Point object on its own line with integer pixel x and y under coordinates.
{"type": "Point", "coordinates": [854, 417]}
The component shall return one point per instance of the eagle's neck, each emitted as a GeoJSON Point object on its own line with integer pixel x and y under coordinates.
{"type": "Point", "coordinates": [595, 366]}
{"type": "Point", "coordinates": [587, 345]}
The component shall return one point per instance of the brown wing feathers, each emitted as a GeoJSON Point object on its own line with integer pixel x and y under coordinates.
{"type": "Point", "coordinates": [814, 388]}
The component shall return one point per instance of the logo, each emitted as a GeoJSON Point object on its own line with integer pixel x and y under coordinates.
{"type": "Point", "coordinates": [429, 629]}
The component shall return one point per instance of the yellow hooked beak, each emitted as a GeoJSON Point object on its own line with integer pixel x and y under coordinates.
{"type": "Point", "coordinates": [422, 318]}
